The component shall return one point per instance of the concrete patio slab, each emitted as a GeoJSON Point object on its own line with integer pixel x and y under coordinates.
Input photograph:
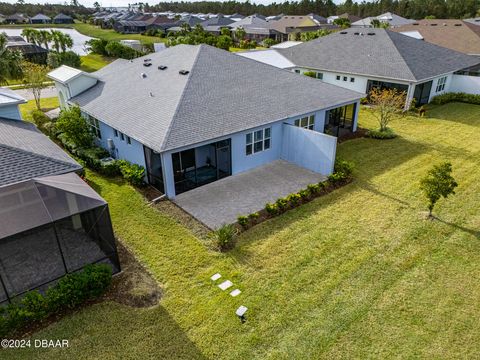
{"type": "Point", "coordinates": [222, 201]}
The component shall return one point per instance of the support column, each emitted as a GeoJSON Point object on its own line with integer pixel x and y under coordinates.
{"type": "Point", "coordinates": [167, 170]}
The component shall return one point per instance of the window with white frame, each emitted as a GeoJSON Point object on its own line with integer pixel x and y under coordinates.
{"type": "Point", "coordinates": [441, 84]}
{"type": "Point", "coordinates": [94, 126]}
{"type": "Point", "coordinates": [319, 75]}
{"type": "Point", "coordinates": [338, 77]}
{"type": "Point", "coordinates": [115, 133]}
{"type": "Point", "coordinates": [129, 141]}
{"type": "Point", "coordinates": [257, 141]}
{"type": "Point", "coordinates": [306, 122]}
{"type": "Point", "coordinates": [122, 136]}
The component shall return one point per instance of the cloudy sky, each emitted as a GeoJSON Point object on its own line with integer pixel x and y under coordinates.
{"type": "Point", "coordinates": [125, 2]}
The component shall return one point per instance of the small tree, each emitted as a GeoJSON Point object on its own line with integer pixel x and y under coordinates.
{"type": "Point", "coordinates": [342, 22]}
{"type": "Point", "coordinates": [240, 33]}
{"type": "Point", "coordinates": [35, 77]}
{"type": "Point", "coordinates": [74, 127]}
{"type": "Point", "coordinates": [388, 104]}
{"type": "Point", "coordinates": [438, 183]}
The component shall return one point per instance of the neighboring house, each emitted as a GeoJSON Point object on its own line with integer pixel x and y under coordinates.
{"type": "Point", "coordinates": [288, 26]}
{"type": "Point", "coordinates": [376, 58]}
{"type": "Point", "coordinates": [256, 28]}
{"type": "Point", "coordinates": [31, 52]}
{"type": "Point", "coordinates": [62, 19]}
{"type": "Point", "coordinates": [130, 26]}
{"type": "Point", "coordinates": [2, 18]}
{"type": "Point", "coordinates": [17, 19]}
{"type": "Point", "coordinates": [457, 35]}
{"type": "Point", "coordinates": [215, 24]}
{"type": "Point", "coordinates": [51, 222]}
{"type": "Point", "coordinates": [40, 19]}
{"type": "Point", "coordinates": [9, 102]}
{"type": "Point", "coordinates": [236, 17]}
{"type": "Point", "coordinates": [393, 20]}
{"type": "Point", "coordinates": [194, 114]}
{"type": "Point", "coordinates": [351, 18]}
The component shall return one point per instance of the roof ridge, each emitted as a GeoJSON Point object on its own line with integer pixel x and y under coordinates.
{"type": "Point", "coordinates": [399, 53]}
{"type": "Point", "coordinates": [174, 117]}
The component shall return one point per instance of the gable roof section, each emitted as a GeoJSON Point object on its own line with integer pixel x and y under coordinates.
{"type": "Point", "coordinates": [223, 94]}
{"type": "Point", "coordinates": [65, 73]}
{"type": "Point", "coordinates": [383, 54]}
{"type": "Point", "coordinates": [40, 16]}
{"type": "Point", "coordinates": [9, 97]}
{"type": "Point", "coordinates": [26, 153]}
{"type": "Point", "coordinates": [62, 17]}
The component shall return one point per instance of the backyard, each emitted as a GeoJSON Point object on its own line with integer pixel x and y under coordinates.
{"type": "Point", "coordinates": [358, 273]}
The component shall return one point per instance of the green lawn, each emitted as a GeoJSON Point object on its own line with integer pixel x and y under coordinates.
{"type": "Point", "coordinates": [109, 34]}
{"type": "Point", "coordinates": [354, 274]}
{"type": "Point", "coordinates": [94, 62]}
{"type": "Point", "coordinates": [46, 104]}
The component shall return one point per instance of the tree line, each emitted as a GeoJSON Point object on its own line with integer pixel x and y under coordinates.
{"type": "Point", "coordinates": [414, 9]}
{"type": "Point", "coordinates": [46, 9]}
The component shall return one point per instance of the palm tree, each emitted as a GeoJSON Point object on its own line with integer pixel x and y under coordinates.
{"type": "Point", "coordinates": [45, 37]}
{"type": "Point", "coordinates": [55, 37]}
{"type": "Point", "coordinates": [10, 62]}
{"type": "Point", "coordinates": [61, 41]}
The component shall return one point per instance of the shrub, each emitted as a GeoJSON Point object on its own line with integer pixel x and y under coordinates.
{"type": "Point", "coordinates": [304, 194]}
{"type": "Point", "coordinates": [116, 49]}
{"type": "Point", "coordinates": [313, 188]}
{"type": "Point", "coordinates": [69, 58]}
{"type": "Point", "coordinates": [133, 173]}
{"type": "Point", "coordinates": [253, 216]}
{"type": "Point", "coordinates": [111, 168]}
{"type": "Point", "coordinates": [224, 42]}
{"type": "Point", "coordinates": [243, 221]}
{"type": "Point", "coordinates": [269, 42]}
{"type": "Point", "coordinates": [70, 291]}
{"type": "Point", "coordinates": [344, 167]}
{"type": "Point", "coordinates": [74, 127]}
{"type": "Point", "coordinates": [456, 97]}
{"type": "Point", "coordinates": [336, 178]}
{"type": "Point", "coordinates": [312, 74]}
{"type": "Point", "coordinates": [97, 46]}
{"type": "Point", "coordinates": [282, 204]}
{"type": "Point", "coordinates": [294, 199]}
{"type": "Point", "coordinates": [381, 135]}
{"type": "Point", "coordinates": [39, 118]}
{"type": "Point", "coordinates": [271, 209]}
{"type": "Point", "coordinates": [224, 237]}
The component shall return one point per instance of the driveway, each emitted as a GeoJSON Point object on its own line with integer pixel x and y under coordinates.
{"type": "Point", "coordinates": [48, 92]}
{"type": "Point", "coordinates": [222, 201]}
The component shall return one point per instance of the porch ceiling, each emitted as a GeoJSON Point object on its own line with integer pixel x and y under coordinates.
{"type": "Point", "coordinates": [222, 201]}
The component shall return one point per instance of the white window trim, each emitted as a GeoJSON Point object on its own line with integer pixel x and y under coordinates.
{"type": "Point", "coordinates": [263, 141]}
{"type": "Point", "coordinates": [310, 122]}
{"type": "Point", "coordinates": [441, 83]}
{"type": "Point", "coordinates": [94, 126]}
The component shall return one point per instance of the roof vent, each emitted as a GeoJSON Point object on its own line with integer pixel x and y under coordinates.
{"type": "Point", "coordinates": [147, 60]}
{"type": "Point", "coordinates": [371, 33]}
{"type": "Point", "coordinates": [415, 24]}
{"type": "Point", "coordinates": [143, 75]}
{"type": "Point", "coordinates": [434, 24]}
{"type": "Point", "coordinates": [183, 72]}
{"type": "Point", "coordinates": [147, 64]}
{"type": "Point", "coordinates": [356, 33]}
{"type": "Point", "coordinates": [343, 32]}
{"type": "Point", "coordinates": [162, 67]}
{"type": "Point", "coordinates": [457, 25]}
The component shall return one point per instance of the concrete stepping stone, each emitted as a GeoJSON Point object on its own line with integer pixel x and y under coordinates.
{"type": "Point", "coordinates": [225, 285]}
{"type": "Point", "coordinates": [235, 292]}
{"type": "Point", "coordinates": [215, 277]}
{"type": "Point", "coordinates": [241, 311]}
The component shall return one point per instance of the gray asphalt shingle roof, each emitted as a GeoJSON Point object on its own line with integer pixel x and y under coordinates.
{"type": "Point", "coordinates": [26, 153]}
{"type": "Point", "coordinates": [223, 94]}
{"type": "Point", "coordinates": [385, 54]}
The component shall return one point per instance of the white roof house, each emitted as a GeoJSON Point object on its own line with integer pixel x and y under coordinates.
{"type": "Point", "coordinates": [285, 44]}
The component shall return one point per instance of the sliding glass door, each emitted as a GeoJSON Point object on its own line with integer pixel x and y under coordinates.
{"type": "Point", "coordinates": [153, 161]}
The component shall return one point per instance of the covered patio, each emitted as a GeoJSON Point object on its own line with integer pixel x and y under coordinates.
{"type": "Point", "coordinates": [222, 201]}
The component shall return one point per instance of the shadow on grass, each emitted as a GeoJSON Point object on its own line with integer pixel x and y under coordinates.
{"type": "Point", "coordinates": [475, 233]}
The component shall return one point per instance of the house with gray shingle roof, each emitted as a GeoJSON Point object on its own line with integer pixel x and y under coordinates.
{"type": "Point", "coordinates": [192, 115]}
{"type": "Point", "coordinates": [40, 19]}
{"type": "Point", "coordinates": [62, 19]}
{"type": "Point", "coordinates": [363, 59]}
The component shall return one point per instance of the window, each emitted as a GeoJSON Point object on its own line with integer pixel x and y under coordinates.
{"type": "Point", "coordinates": [94, 126]}
{"type": "Point", "coordinates": [122, 136]}
{"type": "Point", "coordinates": [307, 122]}
{"type": "Point", "coordinates": [338, 77]}
{"type": "Point", "coordinates": [115, 133]}
{"type": "Point", "coordinates": [345, 78]}
{"type": "Point", "coordinates": [129, 141]}
{"type": "Point", "coordinates": [319, 76]}
{"type": "Point", "coordinates": [297, 71]}
{"type": "Point", "coordinates": [352, 79]}
{"type": "Point", "coordinates": [258, 141]}
{"type": "Point", "coordinates": [441, 84]}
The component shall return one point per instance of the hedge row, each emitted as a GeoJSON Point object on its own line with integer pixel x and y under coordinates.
{"type": "Point", "coordinates": [342, 174]}
{"type": "Point", "coordinates": [69, 292]}
{"type": "Point", "coordinates": [91, 156]}
{"type": "Point", "coordinates": [456, 97]}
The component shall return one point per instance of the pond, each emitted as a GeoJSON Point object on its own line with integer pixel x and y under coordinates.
{"type": "Point", "coordinates": [78, 39]}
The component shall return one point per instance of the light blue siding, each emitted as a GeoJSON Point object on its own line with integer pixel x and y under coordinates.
{"type": "Point", "coordinates": [10, 112]}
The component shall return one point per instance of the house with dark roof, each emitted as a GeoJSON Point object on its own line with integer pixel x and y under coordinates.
{"type": "Point", "coordinates": [51, 222]}
{"type": "Point", "coordinates": [289, 25]}
{"type": "Point", "coordinates": [40, 19]}
{"type": "Point", "coordinates": [17, 19]}
{"type": "Point", "coordinates": [256, 28]}
{"type": "Point", "coordinates": [62, 19]}
{"type": "Point", "coordinates": [31, 52]}
{"type": "Point", "coordinates": [192, 115]}
{"type": "Point", "coordinates": [215, 24]}
{"type": "Point", "coordinates": [361, 60]}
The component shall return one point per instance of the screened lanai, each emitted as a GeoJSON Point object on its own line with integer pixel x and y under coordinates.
{"type": "Point", "coordinates": [49, 227]}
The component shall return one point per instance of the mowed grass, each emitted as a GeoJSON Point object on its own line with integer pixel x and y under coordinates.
{"type": "Point", "coordinates": [93, 62]}
{"type": "Point", "coordinates": [355, 274]}
{"type": "Point", "coordinates": [110, 34]}
{"type": "Point", "coordinates": [45, 103]}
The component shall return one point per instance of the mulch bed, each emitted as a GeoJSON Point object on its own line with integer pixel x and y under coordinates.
{"type": "Point", "coordinates": [360, 133]}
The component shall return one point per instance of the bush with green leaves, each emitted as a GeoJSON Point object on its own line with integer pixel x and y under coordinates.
{"type": "Point", "coordinates": [69, 292]}
{"type": "Point", "coordinates": [224, 237]}
{"type": "Point", "coordinates": [456, 97]}
{"type": "Point", "coordinates": [271, 209]}
{"type": "Point", "coordinates": [438, 183]}
{"type": "Point", "coordinates": [386, 134]}
{"type": "Point", "coordinates": [269, 42]}
{"type": "Point", "coordinates": [97, 46]}
{"type": "Point", "coordinates": [282, 204]}
{"type": "Point", "coordinates": [344, 167]}
{"type": "Point", "coordinates": [311, 74]}
{"type": "Point", "coordinates": [133, 173]}
{"type": "Point", "coordinates": [304, 194]}
{"type": "Point", "coordinates": [69, 58]}
{"type": "Point", "coordinates": [253, 217]}
{"type": "Point", "coordinates": [224, 42]}
{"type": "Point", "coordinates": [118, 50]}
{"type": "Point", "coordinates": [294, 199]}
{"type": "Point", "coordinates": [74, 127]}
{"type": "Point", "coordinates": [242, 221]}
